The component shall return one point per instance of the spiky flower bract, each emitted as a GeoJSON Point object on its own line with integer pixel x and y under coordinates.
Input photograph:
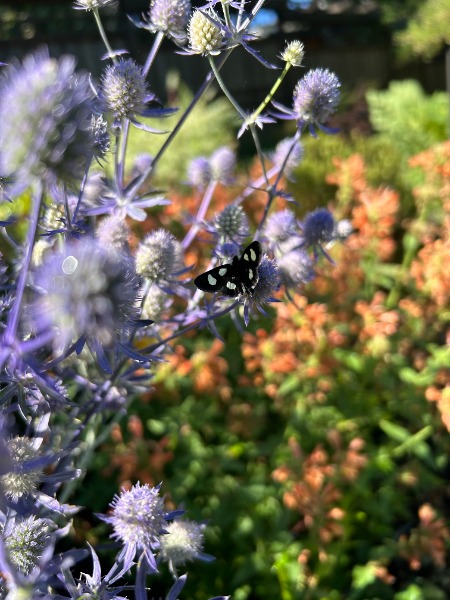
{"type": "Point", "coordinates": [87, 291]}
{"type": "Point", "coordinates": [138, 518]}
{"type": "Point", "coordinates": [264, 291]}
{"type": "Point", "coordinates": [26, 542]}
{"type": "Point", "coordinates": [316, 96]}
{"type": "Point", "coordinates": [182, 542]}
{"type": "Point", "coordinates": [171, 17]}
{"type": "Point", "coordinates": [45, 120]}
{"type": "Point", "coordinates": [223, 164]}
{"type": "Point", "coordinates": [294, 53]}
{"type": "Point", "coordinates": [159, 256]}
{"type": "Point", "coordinates": [21, 480]}
{"type": "Point", "coordinates": [204, 37]}
{"type": "Point", "coordinates": [124, 89]}
{"type": "Point", "coordinates": [231, 223]}
{"type": "Point", "coordinates": [100, 134]}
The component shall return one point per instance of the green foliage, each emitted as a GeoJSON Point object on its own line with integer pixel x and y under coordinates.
{"type": "Point", "coordinates": [190, 140]}
{"type": "Point", "coordinates": [407, 118]}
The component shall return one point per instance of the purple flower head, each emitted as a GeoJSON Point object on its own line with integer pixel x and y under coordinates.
{"type": "Point", "coordinates": [281, 226]}
{"type": "Point", "coordinates": [113, 233]}
{"type": "Point", "coordinates": [171, 17]}
{"type": "Point", "coordinates": [45, 120]}
{"type": "Point", "coordinates": [317, 228]}
{"type": "Point", "coordinates": [86, 292]}
{"type": "Point", "coordinates": [100, 134]}
{"type": "Point", "coordinates": [159, 257]}
{"type": "Point", "coordinates": [204, 36]}
{"type": "Point", "coordinates": [288, 155]}
{"type": "Point", "coordinates": [231, 223]}
{"type": "Point", "coordinates": [227, 251]}
{"type": "Point", "coordinates": [223, 164]}
{"type": "Point", "coordinates": [138, 518]}
{"type": "Point", "coordinates": [316, 96]}
{"type": "Point", "coordinates": [124, 90]}
{"type": "Point", "coordinates": [296, 268]}
{"type": "Point", "coordinates": [199, 172]}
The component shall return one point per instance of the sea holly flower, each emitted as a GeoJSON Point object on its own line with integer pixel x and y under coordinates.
{"type": "Point", "coordinates": [264, 291]}
{"type": "Point", "coordinates": [223, 164]}
{"type": "Point", "coordinates": [317, 230]}
{"type": "Point", "coordinates": [199, 172]}
{"type": "Point", "coordinates": [139, 519]}
{"type": "Point", "coordinates": [45, 120]}
{"type": "Point", "coordinates": [170, 17]}
{"type": "Point", "coordinates": [231, 224]}
{"type": "Point", "coordinates": [92, 4]}
{"type": "Point", "coordinates": [288, 155]}
{"type": "Point", "coordinates": [159, 258]}
{"type": "Point", "coordinates": [315, 99]}
{"type": "Point", "coordinates": [296, 268]}
{"type": "Point", "coordinates": [294, 53]}
{"type": "Point", "coordinates": [26, 541]}
{"type": "Point", "coordinates": [280, 227]}
{"type": "Point", "coordinates": [205, 36]}
{"type": "Point", "coordinates": [87, 293]}
{"type": "Point", "coordinates": [182, 542]}
{"type": "Point", "coordinates": [124, 93]}
{"type": "Point", "coordinates": [22, 480]}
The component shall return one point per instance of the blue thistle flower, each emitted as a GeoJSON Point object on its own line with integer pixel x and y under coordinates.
{"type": "Point", "coordinates": [86, 292]}
{"type": "Point", "coordinates": [182, 542]}
{"type": "Point", "coordinates": [317, 230]}
{"type": "Point", "coordinates": [171, 17]}
{"type": "Point", "coordinates": [268, 284]}
{"type": "Point", "coordinates": [288, 155]}
{"type": "Point", "coordinates": [138, 518]}
{"type": "Point", "coordinates": [296, 268]}
{"type": "Point", "coordinates": [231, 223]}
{"type": "Point", "coordinates": [280, 227]}
{"type": "Point", "coordinates": [45, 120]}
{"type": "Point", "coordinates": [25, 543]}
{"type": "Point", "coordinates": [199, 172]}
{"type": "Point", "coordinates": [22, 480]}
{"type": "Point", "coordinates": [223, 164]}
{"type": "Point", "coordinates": [159, 257]}
{"type": "Point", "coordinates": [124, 90]}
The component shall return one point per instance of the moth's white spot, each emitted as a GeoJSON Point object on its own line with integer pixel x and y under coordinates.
{"type": "Point", "coordinates": [70, 264]}
{"type": "Point", "coordinates": [250, 274]}
{"type": "Point", "coordinates": [246, 257]}
{"type": "Point", "coordinates": [212, 280]}
{"type": "Point", "coordinates": [231, 285]}
{"type": "Point", "coordinates": [223, 271]}
{"type": "Point", "coordinates": [252, 255]}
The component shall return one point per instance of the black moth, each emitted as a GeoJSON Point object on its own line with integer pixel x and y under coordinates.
{"type": "Point", "coordinates": [238, 277]}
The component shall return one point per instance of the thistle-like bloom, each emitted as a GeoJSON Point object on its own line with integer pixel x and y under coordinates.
{"type": "Point", "coordinates": [92, 4]}
{"type": "Point", "coordinates": [182, 542]}
{"type": "Point", "coordinates": [315, 99]}
{"type": "Point", "coordinates": [124, 89]}
{"type": "Point", "coordinates": [138, 518]}
{"type": "Point", "coordinates": [268, 284]}
{"type": "Point", "coordinates": [100, 135]}
{"type": "Point", "coordinates": [87, 292]}
{"type": "Point", "coordinates": [316, 96]}
{"type": "Point", "coordinates": [317, 228]}
{"type": "Point", "coordinates": [280, 227]}
{"type": "Point", "coordinates": [231, 223]}
{"type": "Point", "coordinates": [25, 543]}
{"type": "Point", "coordinates": [296, 268]}
{"type": "Point", "coordinates": [205, 37]}
{"type": "Point", "coordinates": [288, 155]}
{"type": "Point", "coordinates": [294, 53]}
{"type": "Point", "coordinates": [171, 17]}
{"type": "Point", "coordinates": [159, 257]}
{"type": "Point", "coordinates": [22, 480]}
{"type": "Point", "coordinates": [199, 172]}
{"type": "Point", "coordinates": [223, 165]}
{"type": "Point", "coordinates": [155, 303]}
{"type": "Point", "coordinates": [45, 120]}
{"type": "Point", "coordinates": [113, 233]}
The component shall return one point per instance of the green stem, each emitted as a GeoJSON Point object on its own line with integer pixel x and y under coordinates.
{"type": "Point", "coordinates": [224, 89]}
{"type": "Point", "coordinates": [270, 95]}
{"type": "Point", "coordinates": [103, 34]}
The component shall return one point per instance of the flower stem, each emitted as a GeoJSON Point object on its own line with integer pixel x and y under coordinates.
{"type": "Point", "coordinates": [200, 215]}
{"type": "Point", "coordinates": [270, 95]}
{"type": "Point", "coordinates": [151, 55]}
{"type": "Point", "coordinates": [224, 89]}
{"type": "Point", "coordinates": [103, 35]}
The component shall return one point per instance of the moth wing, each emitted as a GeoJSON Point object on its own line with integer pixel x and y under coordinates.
{"type": "Point", "coordinates": [248, 266]}
{"type": "Point", "coordinates": [213, 280]}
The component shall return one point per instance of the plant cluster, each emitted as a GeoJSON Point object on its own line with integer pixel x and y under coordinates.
{"type": "Point", "coordinates": [89, 309]}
